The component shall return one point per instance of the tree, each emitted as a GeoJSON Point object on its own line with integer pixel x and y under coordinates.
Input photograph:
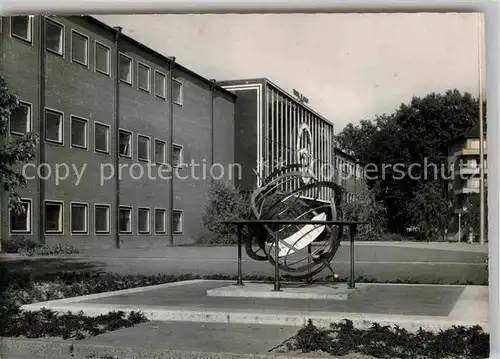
{"type": "Point", "coordinates": [225, 202]}
{"type": "Point", "coordinates": [471, 217]}
{"type": "Point", "coordinates": [13, 151]}
{"type": "Point", "coordinates": [430, 211]}
{"type": "Point", "coordinates": [416, 133]}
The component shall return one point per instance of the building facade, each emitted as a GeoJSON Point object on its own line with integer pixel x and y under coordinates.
{"type": "Point", "coordinates": [349, 175]}
{"type": "Point", "coordinates": [273, 129]}
{"type": "Point", "coordinates": [113, 116]}
{"type": "Point", "coordinates": [464, 160]}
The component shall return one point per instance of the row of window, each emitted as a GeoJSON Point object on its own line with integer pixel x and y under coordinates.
{"type": "Point", "coordinates": [347, 168]}
{"type": "Point", "coordinates": [20, 222]}
{"type": "Point", "coordinates": [21, 119]}
{"type": "Point", "coordinates": [22, 27]}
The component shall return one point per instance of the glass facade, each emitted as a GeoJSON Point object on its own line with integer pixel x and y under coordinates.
{"type": "Point", "coordinates": [289, 131]}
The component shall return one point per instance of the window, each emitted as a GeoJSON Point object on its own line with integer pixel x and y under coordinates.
{"type": "Point", "coordinates": [160, 157]}
{"type": "Point", "coordinates": [177, 155]}
{"type": "Point", "coordinates": [143, 74]}
{"type": "Point", "coordinates": [125, 220]}
{"type": "Point", "coordinates": [177, 92]}
{"type": "Point", "coordinates": [78, 132]}
{"type": "Point", "coordinates": [21, 27]}
{"type": "Point", "coordinates": [143, 147]}
{"type": "Point", "coordinates": [473, 144]}
{"type": "Point", "coordinates": [160, 221]}
{"type": "Point", "coordinates": [125, 69]}
{"type": "Point", "coordinates": [54, 37]}
{"type": "Point", "coordinates": [53, 126]}
{"type": "Point", "coordinates": [177, 221]}
{"type": "Point", "coordinates": [53, 217]}
{"type": "Point", "coordinates": [143, 220]}
{"type": "Point", "coordinates": [102, 56]}
{"type": "Point", "coordinates": [101, 137]}
{"type": "Point", "coordinates": [160, 84]}
{"type": "Point", "coordinates": [101, 220]}
{"type": "Point", "coordinates": [79, 48]}
{"type": "Point", "coordinates": [79, 218]}
{"type": "Point", "coordinates": [125, 143]}
{"type": "Point", "coordinates": [20, 221]}
{"type": "Point", "coordinates": [20, 120]}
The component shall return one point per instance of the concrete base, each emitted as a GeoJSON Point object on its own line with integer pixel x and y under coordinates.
{"type": "Point", "coordinates": [337, 291]}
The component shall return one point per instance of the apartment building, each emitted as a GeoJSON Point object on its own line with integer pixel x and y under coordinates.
{"type": "Point", "coordinates": [274, 128]}
{"type": "Point", "coordinates": [100, 102]}
{"type": "Point", "coordinates": [464, 161]}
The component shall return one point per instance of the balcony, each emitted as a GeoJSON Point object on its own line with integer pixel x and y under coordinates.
{"type": "Point", "coordinates": [472, 169]}
{"type": "Point", "coordinates": [471, 148]}
{"type": "Point", "coordinates": [467, 190]}
{"type": "Point", "coordinates": [469, 186]}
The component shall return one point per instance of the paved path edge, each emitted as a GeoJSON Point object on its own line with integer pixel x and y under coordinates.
{"type": "Point", "coordinates": [54, 348]}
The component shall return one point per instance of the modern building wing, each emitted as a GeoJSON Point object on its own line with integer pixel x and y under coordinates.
{"type": "Point", "coordinates": [274, 128]}
{"type": "Point", "coordinates": [349, 174]}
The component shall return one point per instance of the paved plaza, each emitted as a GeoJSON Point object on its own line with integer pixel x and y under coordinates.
{"type": "Point", "coordinates": [409, 306]}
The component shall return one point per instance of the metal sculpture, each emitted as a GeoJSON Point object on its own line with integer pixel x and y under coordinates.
{"type": "Point", "coordinates": [293, 192]}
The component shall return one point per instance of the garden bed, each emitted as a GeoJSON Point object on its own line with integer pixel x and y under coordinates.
{"type": "Point", "coordinates": [387, 342]}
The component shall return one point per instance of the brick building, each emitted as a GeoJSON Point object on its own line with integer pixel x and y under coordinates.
{"type": "Point", "coordinates": [100, 101]}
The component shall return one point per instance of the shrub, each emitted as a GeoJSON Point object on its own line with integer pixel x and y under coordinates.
{"type": "Point", "coordinates": [226, 202]}
{"type": "Point", "coordinates": [47, 323]}
{"type": "Point", "coordinates": [28, 247]}
{"type": "Point", "coordinates": [367, 209]}
{"type": "Point", "coordinates": [393, 342]}
{"type": "Point", "coordinates": [17, 244]}
{"type": "Point", "coordinates": [392, 237]}
{"type": "Point", "coordinates": [47, 250]}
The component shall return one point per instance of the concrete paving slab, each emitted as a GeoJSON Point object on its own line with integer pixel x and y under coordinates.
{"type": "Point", "coordinates": [339, 291]}
{"type": "Point", "coordinates": [409, 306]}
{"type": "Point", "coordinates": [21, 348]}
{"type": "Point", "coordinates": [203, 337]}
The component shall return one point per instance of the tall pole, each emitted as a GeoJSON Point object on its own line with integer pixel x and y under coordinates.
{"type": "Point", "coordinates": [459, 226]}
{"type": "Point", "coordinates": [481, 133]}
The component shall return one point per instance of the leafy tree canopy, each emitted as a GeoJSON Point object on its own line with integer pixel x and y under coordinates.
{"type": "Point", "coordinates": [13, 151]}
{"type": "Point", "coordinates": [416, 136]}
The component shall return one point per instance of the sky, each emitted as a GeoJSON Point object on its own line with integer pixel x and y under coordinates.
{"type": "Point", "coordinates": [350, 66]}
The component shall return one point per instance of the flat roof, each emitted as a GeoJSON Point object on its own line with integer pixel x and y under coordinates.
{"type": "Point", "coordinates": [157, 54]}
{"type": "Point", "coordinates": [265, 80]}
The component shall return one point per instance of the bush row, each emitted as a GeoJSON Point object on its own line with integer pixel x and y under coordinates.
{"type": "Point", "coordinates": [28, 247]}
{"type": "Point", "coordinates": [392, 342]}
{"type": "Point", "coordinates": [47, 323]}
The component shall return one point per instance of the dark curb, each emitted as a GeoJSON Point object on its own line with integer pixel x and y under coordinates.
{"type": "Point", "coordinates": [53, 348]}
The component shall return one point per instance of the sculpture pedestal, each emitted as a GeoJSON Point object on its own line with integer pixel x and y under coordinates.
{"type": "Point", "coordinates": [323, 291]}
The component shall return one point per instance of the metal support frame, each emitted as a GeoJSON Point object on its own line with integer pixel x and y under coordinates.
{"type": "Point", "coordinates": [276, 259]}
{"type": "Point", "coordinates": [352, 233]}
{"type": "Point", "coordinates": [240, 277]}
{"type": "Point", "coordinates": [275, 224]}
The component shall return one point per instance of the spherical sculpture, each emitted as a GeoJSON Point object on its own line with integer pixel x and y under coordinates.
{"type": "Point", "coordinates": [294, 193]}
